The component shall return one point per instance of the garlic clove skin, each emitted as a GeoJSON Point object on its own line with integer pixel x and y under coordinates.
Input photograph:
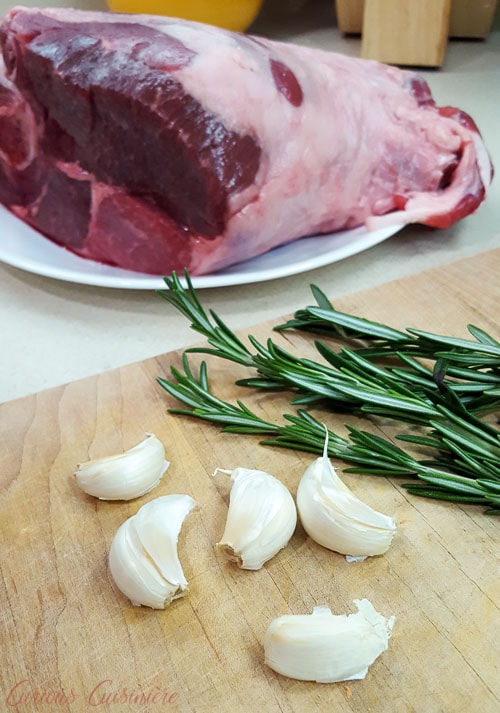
{"type": "Point", "coordinates": [327, 648]}
{"type": "Point", "coordinates": [143, 558]}
{"type": "Point", "coordinates": [260, 521]}
{"type": "Point", "coordinates": [127, 475]}
{"type": "Point", "coordinates": [335, 518]}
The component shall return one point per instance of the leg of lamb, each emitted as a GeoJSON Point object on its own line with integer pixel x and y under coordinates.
{"type": "Point", "coordinates": [155, 144]}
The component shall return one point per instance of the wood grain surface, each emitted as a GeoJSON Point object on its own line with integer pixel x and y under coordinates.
{"type": "Point", "coordinates": [72, 642]}
{"type": "Point", "coordinates": [406, 32]}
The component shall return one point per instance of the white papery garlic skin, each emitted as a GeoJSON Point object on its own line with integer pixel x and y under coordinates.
{"type": "Point", "coordinates": [261, 518]}
{"type": "Point", "coordinates": [326, 648]}
{"type": "Point", "coordinates": [335, 518]}
{"type": "Point", "coordinates": [143, 558]}
{"type": "Point", "coordinates": [127, 475]}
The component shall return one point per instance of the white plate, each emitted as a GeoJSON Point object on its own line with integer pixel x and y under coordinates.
{"type": "Point", "coordinates": [25, 248]}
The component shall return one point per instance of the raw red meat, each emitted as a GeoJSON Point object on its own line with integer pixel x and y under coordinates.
{"type": "Point", "coordinates": [156, 144]}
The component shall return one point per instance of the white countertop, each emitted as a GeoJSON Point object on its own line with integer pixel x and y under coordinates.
{"type": "Point", "coordinates": [53, 332]}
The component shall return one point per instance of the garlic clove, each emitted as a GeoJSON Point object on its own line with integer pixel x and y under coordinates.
{"type": "Point", "coordinates": [335, 518]}
{"type": "Point", "coordinates": [327, 648]}
{"type": "Point", "coordinates": [135, 574]}
{"type": "Point", "coordinates": [143, 558]}
{"type": "Point", "coordinates": [260, 521]}
{"type": "Point", "coordinates": [127, 475]}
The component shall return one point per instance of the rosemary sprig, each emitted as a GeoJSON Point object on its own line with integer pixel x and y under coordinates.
{"type": "Point", "coordinates": [482, 352]}
{"type": "Point", "coordinates": [301, 431]}
{"type": "Point", "coordinates": [444, 400]}
{"type": "Point", "coordinates": [223, 340]}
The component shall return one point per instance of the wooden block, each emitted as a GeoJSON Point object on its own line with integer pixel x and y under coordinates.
{"type": "Point", "coordinates": [470, 18]}
{"type": "Point", "coordinates": [406, 32]}
{"type": "Point", "coordinates": [350, 15]}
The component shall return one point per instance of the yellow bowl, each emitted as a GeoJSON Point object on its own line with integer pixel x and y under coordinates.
{"type": "Point", "coordinates": [236, 15]}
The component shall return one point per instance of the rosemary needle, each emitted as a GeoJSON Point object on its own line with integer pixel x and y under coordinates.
{"type": "Point", "coordinates": [382, 374]}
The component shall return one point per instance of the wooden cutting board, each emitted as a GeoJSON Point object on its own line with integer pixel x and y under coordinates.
{"type": "Point", "coordinates": [72, 642]}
